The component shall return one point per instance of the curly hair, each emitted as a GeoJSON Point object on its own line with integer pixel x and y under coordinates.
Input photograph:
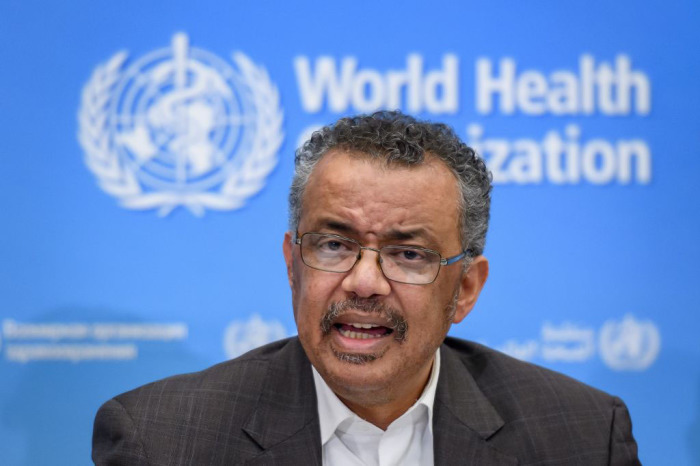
{"type": "Point", "coordinates": [401, 139]}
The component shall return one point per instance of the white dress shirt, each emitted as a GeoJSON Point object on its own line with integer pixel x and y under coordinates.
{"type": "Point", "coordinates": [349, 440]}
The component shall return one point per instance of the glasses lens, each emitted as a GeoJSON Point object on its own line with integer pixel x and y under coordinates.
{"type": "Point", "coordinates": [410, 264]}
{"type": "Point", "coordinates": [328, 252]}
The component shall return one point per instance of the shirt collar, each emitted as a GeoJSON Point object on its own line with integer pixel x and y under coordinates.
{"type": "Point", "coordinates": [332, 411]}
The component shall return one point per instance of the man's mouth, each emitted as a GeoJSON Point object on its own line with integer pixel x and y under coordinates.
{"type": "Point", "coordinates": [362, 331]}
{"type": "Point", "coordinates": [361, 319]}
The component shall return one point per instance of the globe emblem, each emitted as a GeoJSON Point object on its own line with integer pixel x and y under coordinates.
{"type": "Point", "coordinates": [241, 337]}
{"type": "Point", "coordinates": [179, 120]}
{"type": "Point", "coordinates": [629, 344]}
{"type": "Point", "coordinates": [180, 127]}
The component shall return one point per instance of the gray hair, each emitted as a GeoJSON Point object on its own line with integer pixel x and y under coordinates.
{"type": "Point", "coordinates": [398, 138]}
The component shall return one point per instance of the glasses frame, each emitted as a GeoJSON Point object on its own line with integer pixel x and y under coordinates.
{"type": "Point", "coordinates": [443, 260]}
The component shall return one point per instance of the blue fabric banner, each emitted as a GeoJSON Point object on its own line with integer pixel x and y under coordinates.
{"type": "Point", "coordinates": [148, 149]}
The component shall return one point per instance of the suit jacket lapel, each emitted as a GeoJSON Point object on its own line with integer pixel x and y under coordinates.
{"type": "Point", "coordinates": [463, 418]}
{"type": "Point", "coordinates": [285, 422]}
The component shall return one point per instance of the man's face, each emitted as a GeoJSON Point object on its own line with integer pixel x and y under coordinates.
{"type": "Point", "coordinates": [348, 194]}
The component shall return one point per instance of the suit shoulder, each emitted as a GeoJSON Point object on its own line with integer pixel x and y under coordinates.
{"type": "Point", "coordinates": [234, 379]}
{"type": "Point", "coordinates": [190, 415]}
{"type": "Point", "coordinates": [545, 417]}
{"type": "Point", "coordinates": [525, 384]}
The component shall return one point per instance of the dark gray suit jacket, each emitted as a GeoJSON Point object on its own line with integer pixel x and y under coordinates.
{"type": "Point", "coordinates": [260, 409]}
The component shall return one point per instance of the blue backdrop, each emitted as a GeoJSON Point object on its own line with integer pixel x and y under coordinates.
{"type": "Point", "coordinates": [147, 150]}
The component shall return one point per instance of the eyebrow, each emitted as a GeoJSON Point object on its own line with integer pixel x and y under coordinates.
{"type": "Point", "coordinates": [391, 235]}
{"type": "Point", "coordinates": [403, 235]}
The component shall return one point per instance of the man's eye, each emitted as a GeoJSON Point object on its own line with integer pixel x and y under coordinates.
{"type": "Point", "coordinates": [332, 246]}
{"type": "Point", "coordinates": [412, 254]}
{"type": "Point", "coordinates": [408, 255]}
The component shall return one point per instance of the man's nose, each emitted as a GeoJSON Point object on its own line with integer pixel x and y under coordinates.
{"type": "Point", "coordinates": [366, 279]}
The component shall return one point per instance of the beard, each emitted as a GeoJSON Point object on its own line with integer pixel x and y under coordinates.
{"type": "Point", "coordinates": [395, 319]}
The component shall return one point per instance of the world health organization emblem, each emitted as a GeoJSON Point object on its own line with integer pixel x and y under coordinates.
{"type": "Point", "coordinates": [630, 344]}
{"type": "Point", "coordinates": [241, 337]}
{"type": "Point", "coordinates": [180, 127]}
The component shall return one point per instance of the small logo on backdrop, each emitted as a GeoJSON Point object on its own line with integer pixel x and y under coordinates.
{"type": "Point", "coordinates": [629, 344]}
{"type": "Point", "coordinates": [180, 127]}
{"type": "Point", "coordinates": [626, 344]}
{"type": "Point", "coordinates": [241, 337]}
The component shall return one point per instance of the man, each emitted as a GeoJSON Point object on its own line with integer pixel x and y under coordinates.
{"type": "Point", "coordinates": [388, 218]}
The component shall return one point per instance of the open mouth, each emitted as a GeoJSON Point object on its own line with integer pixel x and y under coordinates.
{"type": "Point", "coordinates": [362, 331]}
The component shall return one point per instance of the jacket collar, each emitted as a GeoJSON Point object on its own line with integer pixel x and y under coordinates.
{"type": "Point", "coordinates": [285, 421]}
{"type": "Point", "coordinates": [464, 419]}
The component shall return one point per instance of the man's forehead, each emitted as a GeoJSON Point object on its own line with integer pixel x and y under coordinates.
{"type": "Point", "coordinates": [353, 193]}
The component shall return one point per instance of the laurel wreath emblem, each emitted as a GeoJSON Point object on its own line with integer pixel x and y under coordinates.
{"type": "Point", "coordinates": [120, 181]}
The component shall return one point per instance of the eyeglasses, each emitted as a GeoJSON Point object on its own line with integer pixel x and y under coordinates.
{"type": "Point", "coordinates": [404, 264]}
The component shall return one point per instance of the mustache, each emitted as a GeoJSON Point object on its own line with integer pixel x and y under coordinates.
{"type": "Point", "coordinates": [395, 319]}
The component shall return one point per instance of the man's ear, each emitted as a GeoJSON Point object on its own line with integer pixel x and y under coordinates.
{"type": "Point", "coordinates": [287, 251]}
{"type": "Point", "coordinates": [471, 285]}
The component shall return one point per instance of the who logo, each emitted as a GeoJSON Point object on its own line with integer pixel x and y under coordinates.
{"type": "Point", "coordinates": [180, 127]}
{"type": "Point", "coordinates": [243, 336]}
{"type": "Point", "coordinates": [630, 344]}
